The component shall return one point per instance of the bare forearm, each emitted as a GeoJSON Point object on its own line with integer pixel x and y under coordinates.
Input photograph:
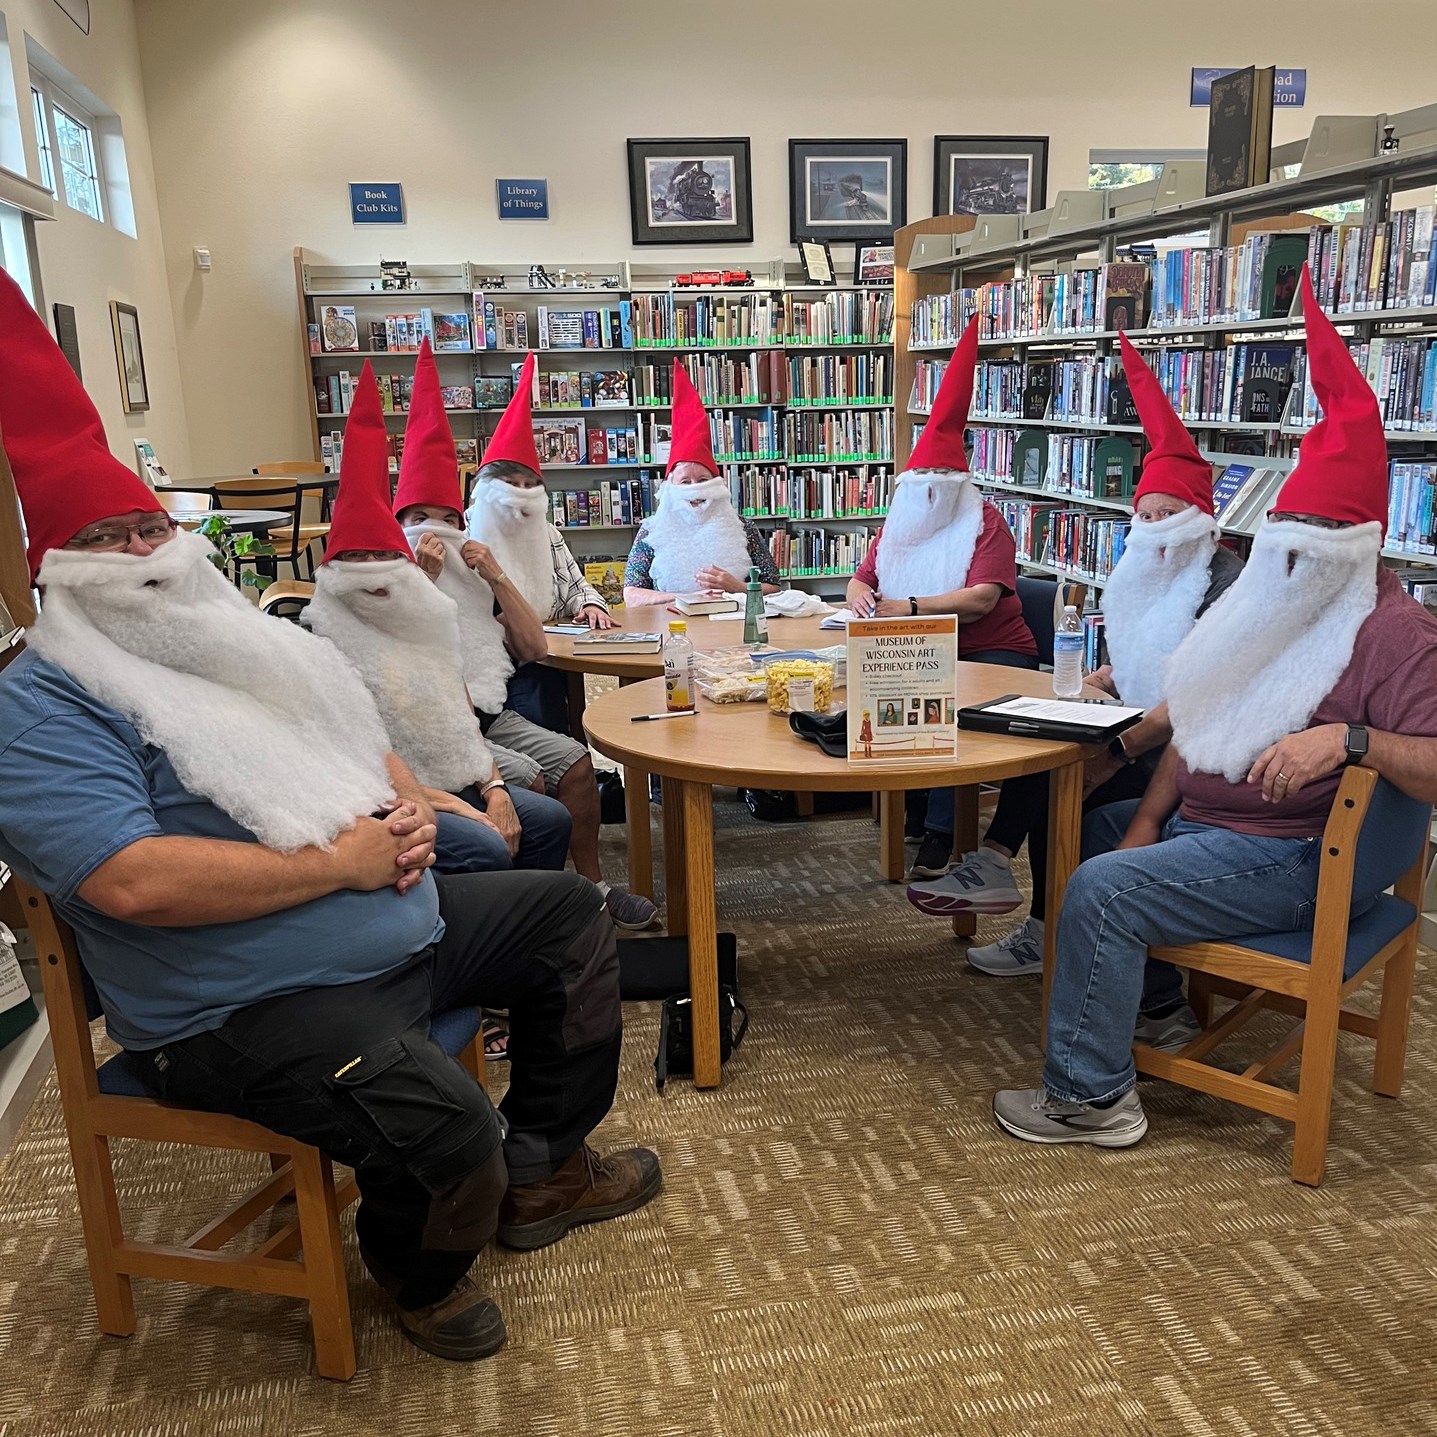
{"type": "Point", "coordinates": [186, 882]}
{"type": "Point", "coordinates": [1161, 797]}
{"type": "Point", "coordinates": [967, 604]}
{"type": "Point", "coordinates": [525, 629]}
{"type": "Point", "coordinates": [646, 598]}
{"type": "Point", "coordinates": [1151, 731]}
{"type": "Point", "coordinates": [1410, 763]}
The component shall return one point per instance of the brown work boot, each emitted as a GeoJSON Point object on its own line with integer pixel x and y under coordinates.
{"type": "Point", "coordinates": [462, 1327]}
{"type": "Point", "coordinates": [587, 1188]}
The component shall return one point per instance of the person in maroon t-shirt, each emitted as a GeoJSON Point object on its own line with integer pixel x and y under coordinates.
{"type": "Point", "coordinates": [944, 549]}
{"type": "Point", "coordinates": [1314, 659]}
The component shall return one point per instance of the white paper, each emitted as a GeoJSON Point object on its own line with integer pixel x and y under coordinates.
{"type": "Point", "coordinates": [1064, 711]}
{"type": "Point", "coordinates": [837, 620]}
{"type": "Point", "coordinates": [734, 616]}
{"type": "Point", "coordinates": [13, 988]}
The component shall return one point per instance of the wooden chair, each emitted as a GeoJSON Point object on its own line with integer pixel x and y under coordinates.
{"type": "Point", "coordinates": [293, 541]}
{"type": "Point", "coordinates": [286, 598]}
{"type": "Point", "coordinates": [290, 466]}
{"type": "Point", "coordinates": [301, 1258]}
{"type": "Point", "coordinates": [1381, 838]}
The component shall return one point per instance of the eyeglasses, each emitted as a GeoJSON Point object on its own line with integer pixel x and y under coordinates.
{"type": "Point", "coordinates": [367, 556]}
{"type": "Point", "coordinates": [1317, 521]}
{"type": "Point", "coordinates": [1157, 518]}
{"type": "Point", "coordinates": [96, 541]}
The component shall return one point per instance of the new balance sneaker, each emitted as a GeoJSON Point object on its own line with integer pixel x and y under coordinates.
{"type": "Point", "coordinates": [1013, 955]}
{"type": "Point", "coordinates": [631, 912]}
{"type": "Point", "coordinates": [980, 882]}
{"type": "Point", "coordinates": [934, 855]}
{"type": "Point", "coordinates": [1036, 1116]}
{"type": "Point", "coordinates": [1169, 1034]}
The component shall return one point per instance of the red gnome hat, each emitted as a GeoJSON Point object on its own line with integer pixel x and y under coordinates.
{"type": "Point", "coordinates": [1341, 470]}
{"type": "Point", "coordinates": [690, 442]}
{"type": "Point", "coordinates": [428, 467]}
{"type": "Point", "coordinates": [1173, 465]}
{"type": "Point", "coordinates": [513, 437]}
{"type": "Point", "coordinates": [64, 472]}
{"type": "Point", "coordinates": [940, 446]}
{"type": "Point", "coordinates": [362, 516]}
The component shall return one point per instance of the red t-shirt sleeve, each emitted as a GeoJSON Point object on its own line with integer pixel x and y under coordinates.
{"type": "Point", "coordinates": [867, 571]}
{"type": "Point", "coordinates": [995, 556]}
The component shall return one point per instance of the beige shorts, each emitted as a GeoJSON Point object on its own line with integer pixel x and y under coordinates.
{"type": "Point", "coordinates": [522, 751]}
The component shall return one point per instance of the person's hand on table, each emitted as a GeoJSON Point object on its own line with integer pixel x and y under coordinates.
{"type": "Point", "coordinates": [1289, 765]}
{"type": "Point", "coordinates": [891, 609]}
{"type": "Point", "coordinates": [595, 617]}
{"type": "Point", "coordinates": [1102, 678]}
{"type": "Point", "coordinates": [430, 556]}
{"type": "Point", "coordinates": [861, 600]}
{"type": "Point", "coordinates": [1142, 832]}
{"type": "Point", "coordinates": [480, 558]}
{"type": "Point", "coordinates": [412, 819]}
{"type": "Point", "coordinates": [499, 807]}
{"type": "Point", "coordinates": [713, 577]}
{"type": "Point", "coordinates": [1098, 770]}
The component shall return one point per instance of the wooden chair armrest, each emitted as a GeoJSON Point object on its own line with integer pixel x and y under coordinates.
{"type": "Point", "coordinates": [1334, 874]}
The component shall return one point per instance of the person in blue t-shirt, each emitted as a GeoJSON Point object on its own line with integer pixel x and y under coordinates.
{"type": "Point", "coordinates": [209, 797]}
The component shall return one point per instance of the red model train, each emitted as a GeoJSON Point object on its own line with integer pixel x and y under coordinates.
{"type": "Point", "coordinates": [715, 279]}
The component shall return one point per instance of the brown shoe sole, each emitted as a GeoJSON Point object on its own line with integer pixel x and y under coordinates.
{"type": "Point", "coordinates": [528, 1236]}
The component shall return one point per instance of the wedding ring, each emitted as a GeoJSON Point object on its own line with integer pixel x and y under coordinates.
{"type": "Point", "coordinates": [1283, 778]}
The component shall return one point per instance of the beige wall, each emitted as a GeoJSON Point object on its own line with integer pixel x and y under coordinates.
{"type": "Point", "coordinates": [263, 111]}
{"type": "Point", "coordinates": [86, 264]}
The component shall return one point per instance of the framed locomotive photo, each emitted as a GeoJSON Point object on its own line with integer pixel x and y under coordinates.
{"type": "Point", "coordinates": [690, 191]}
{"type": "Point", "coordinates": [847, 189]}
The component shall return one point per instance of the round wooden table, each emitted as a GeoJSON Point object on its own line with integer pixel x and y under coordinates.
{"type": "Point", "coordinates": [707, 634]}
{"type": "Point", "coordinates": [745, 746]}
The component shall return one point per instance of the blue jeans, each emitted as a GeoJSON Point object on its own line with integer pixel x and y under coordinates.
{"type": "Point", "coordinates": [464, 846]}
{"type": "Point", "coordinates": [939, 817]}
{"type": "Point", "coordinates": [1200, 883]}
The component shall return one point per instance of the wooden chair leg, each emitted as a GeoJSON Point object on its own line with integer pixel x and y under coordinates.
{"type": "Point", "coordinates": [1314, 1088]}
{"type": "Point", "coordinates": [1392, 1021]}
{"type": "Point", "coordinates": [328, 1292]}
{"type": "Point", "coordinates": [1200, 998]}
{"type": "Point", "coordinates": [473, 1061]}
{"type": "Point", "coordinates": [965, 840]}
{"type": "Point", "coordinates": [104, 1231]}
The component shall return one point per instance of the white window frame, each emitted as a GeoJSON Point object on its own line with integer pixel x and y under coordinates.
{"type": "Point", "coordinates": [54, 98]}
{"type": "Point", "coordinates": [40, 113]}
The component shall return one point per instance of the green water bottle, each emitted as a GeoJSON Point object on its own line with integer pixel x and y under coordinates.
{"type": "Point", "coordinates": [755, 617]}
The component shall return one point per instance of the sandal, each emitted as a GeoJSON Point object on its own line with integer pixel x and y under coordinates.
{"type": "Point", "coordinates": [496, 1040]}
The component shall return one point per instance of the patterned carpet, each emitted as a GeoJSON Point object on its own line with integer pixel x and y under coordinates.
{"type": "Point", "coordinates": [846, 1245]}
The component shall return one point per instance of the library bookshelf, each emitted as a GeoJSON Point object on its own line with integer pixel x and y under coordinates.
{"type": "Point", "coordinates": [1035, 450]}
{"type": "Point", "coordinates": [798, 381]}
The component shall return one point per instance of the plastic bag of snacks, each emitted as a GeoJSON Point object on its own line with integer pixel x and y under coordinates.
{"type": "Point", "coordinates": [734, 688]}
{"type": "Point", "coordinates": [799, 686]}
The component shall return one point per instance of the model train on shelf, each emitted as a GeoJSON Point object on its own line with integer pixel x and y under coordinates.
{"type": "Point", "coordinates": [715, 279]}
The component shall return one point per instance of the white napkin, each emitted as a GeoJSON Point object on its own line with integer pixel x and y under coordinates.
{"type": "Point", "coordinates": [794, 604]}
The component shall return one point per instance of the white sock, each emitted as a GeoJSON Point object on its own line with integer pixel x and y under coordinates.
{"type": "Point", "coordinates": [602, 887]}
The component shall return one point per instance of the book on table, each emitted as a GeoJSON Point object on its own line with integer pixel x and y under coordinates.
{"type": "Point", "coordinates": [702, 603]}
{"type": "Point", "coordinates": [618, 641]}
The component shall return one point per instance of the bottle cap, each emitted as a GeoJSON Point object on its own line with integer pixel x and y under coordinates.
{"type": "Point", "coordinates": [678, 626]}
{"type": "Point", "coordinates": [1070, 608]}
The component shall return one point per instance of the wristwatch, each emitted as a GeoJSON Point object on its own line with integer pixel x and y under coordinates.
{"type": "Point", "coordinates": [491, 786]}
{"type": "Point", "coordinates": [1355, 743]}
{"type": "Point", "coordinates": [1118, 751]}
{"type": "Point", "coordinates": [913, 606]}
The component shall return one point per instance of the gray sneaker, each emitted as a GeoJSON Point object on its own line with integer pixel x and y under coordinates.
{"type": "Point", "coordinates": [1014, 954]}
{"type": "Point", "coordinates": [1036, 1116]}
{"type": "Point", "coordinates": [1169, 1034]}
{"type": "Point", "coordinates": [631, 912]}
{"type": "Point", "coordinates": [980, 882]}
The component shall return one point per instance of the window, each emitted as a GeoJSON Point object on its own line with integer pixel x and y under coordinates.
{"type": "Point", "coordinates": [42, 136]}
{"type": "Point", "coordinates": [64, 131]}
{"type": "Point", "coordinates": [1112, 169]}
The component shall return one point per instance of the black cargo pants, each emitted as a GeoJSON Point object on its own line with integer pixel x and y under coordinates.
{"type": "Point", "coordinates": [353, 1070]}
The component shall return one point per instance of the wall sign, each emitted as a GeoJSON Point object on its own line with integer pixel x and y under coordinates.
{"type": "Point", "coordinates": [1289, 86]}
{"type": "Point", "coordinates": [523, 199]}
{"type": "Point", "coordinates": [376, 204]}
{"type": "Point", "coordinates": [67, 335]}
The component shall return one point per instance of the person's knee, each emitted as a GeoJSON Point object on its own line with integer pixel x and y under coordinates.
{"type": "Point", "coordinates": [463, 845]}
{"type": "Point", "coordinates": [589, 968]}
{"type": "Point", "coordinates": [464, 1216]}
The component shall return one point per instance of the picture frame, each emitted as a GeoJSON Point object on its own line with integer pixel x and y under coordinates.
{"type": "Point", "coordinates": [693, 191]}
{"type": "Point", "coordinates": [817, 263]}
{"type": "Point", "coordinates": [130, 357]}
{"type": "Point", "coordinates": [990, 174]}
{"type": "Point", "coordinates": [873, 264]}
{"type": "Point", "coordinates": [847, 189]}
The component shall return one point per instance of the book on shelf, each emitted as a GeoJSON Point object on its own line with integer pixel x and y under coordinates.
{"type": "Point", "coordinates": [705, 603]}
{"type": "Point", "coordinates": [452, 332]}
{"type": "Point", "coordinates": [378, 336]}
{"type": "Point", "coordinates": [658, 439]}
{"type": "Point", "coordinates": [1263, 382]}
{"type": "Point", "coordinates": [339, 329]}
{"type": "Point", "coordinates": [1124, 290]}
{"type": "Point", "coordinates": [1239, 135]}
{"type": "Point", "coordinates": [316, 344]}
{"type": "Point", "coordinates": [609, 388]}
{"type": "Point", "coordinates": [492, 392]}
{"type": "Point", "coordinates": [561, 441]}
{"type": "Point", "coordinates": [1411, 521]}
{"type": "Point", "coordinates": [840, 379]}
{"type": "Point", "coordinates": [618, 641]}
{"type": "Point", "coordinates": [607, 576]}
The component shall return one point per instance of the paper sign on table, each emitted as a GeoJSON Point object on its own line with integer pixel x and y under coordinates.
{"type": "Point", "coordinates": [903, 690]}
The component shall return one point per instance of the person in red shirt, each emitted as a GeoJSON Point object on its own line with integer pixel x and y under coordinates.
{"type": "Point", "coordinates": [1314, 659]}
{"type": "Point", "coordinates": [944, 549]}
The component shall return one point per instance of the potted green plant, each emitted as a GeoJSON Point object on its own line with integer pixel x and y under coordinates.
{"type": "Point", "coordinates": [230, 547]}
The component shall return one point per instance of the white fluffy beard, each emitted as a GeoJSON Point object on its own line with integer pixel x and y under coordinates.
{"type": "Point", "coordinates": [266, 721]}
{"type": "Point", "coordinates": [695, 525]}
{"type": "Point", "coordinates": [1153, 597]}
{"type": "Point", "coordinates": [930, 533]}
{"type": "Point", "coordinates": [513, 522]}
{"type": "Point", "coordinates": [406, 648]}
{"type": "Point", "coordinates": [487, 663]}
{"type": "Point", "coordinates": [1258, 663]}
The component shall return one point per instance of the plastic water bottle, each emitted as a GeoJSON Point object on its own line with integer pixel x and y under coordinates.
{"type": "Point", "coordinates": [1068, 655]}
{"type": "Point", "coordinates": [755, 616]}
{"type": "Point", "coordinates": [678, 668]}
